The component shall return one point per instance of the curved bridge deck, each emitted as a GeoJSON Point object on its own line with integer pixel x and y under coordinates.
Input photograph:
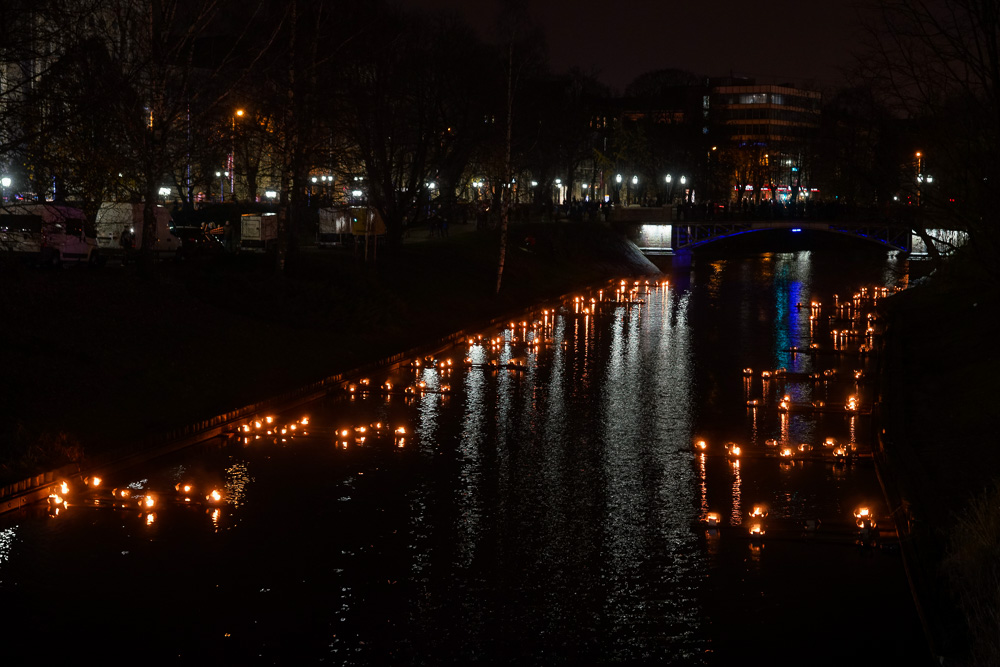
{"type": "Point", "coordinates": [666, 230]}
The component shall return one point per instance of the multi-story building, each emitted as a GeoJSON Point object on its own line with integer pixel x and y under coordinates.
{"type": "Point", "coordinates": [765, 132]}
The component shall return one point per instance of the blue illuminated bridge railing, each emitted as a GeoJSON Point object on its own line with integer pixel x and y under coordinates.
{"type": "Point", "coordinates": [655, 232]}
{"type": "Point", "coordinates": [688, 235]}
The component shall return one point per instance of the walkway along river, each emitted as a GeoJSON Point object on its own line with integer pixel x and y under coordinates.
{"type": "Point", "coordinates": [533, 496]}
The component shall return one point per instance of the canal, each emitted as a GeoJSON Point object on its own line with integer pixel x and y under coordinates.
{"type": "Point", "coordinates": [534, 496]}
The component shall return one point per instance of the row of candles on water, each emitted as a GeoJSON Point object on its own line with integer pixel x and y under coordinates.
{"type": "Point", "coordinates": [263, 428]}
{"type": "Point", "coordinates": [839, 451]}
{"type": "Point", "coordinates": [864, 519]}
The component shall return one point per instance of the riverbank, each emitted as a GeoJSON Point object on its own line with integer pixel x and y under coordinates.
{"type": "Point", "coordinates": [940, 394]}
{"type": "Point", "coordinates": [98, 360]}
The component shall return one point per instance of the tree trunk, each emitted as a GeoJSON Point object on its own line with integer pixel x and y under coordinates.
{"type": "Point", "coordinates": [505, 192]}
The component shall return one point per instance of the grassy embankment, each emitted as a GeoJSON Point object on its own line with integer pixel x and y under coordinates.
{"type": "Point", "coordinates": [943, 454]}
{"type": "Point", "coordinates": [93, 360]}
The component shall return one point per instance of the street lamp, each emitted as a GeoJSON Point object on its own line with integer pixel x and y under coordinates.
{"type": "Point", "coordinates": [5, 183]}
{"type": "Point", "coordinates": [232, 156]}
{"type": "Point", "coordinates": [222, 186]}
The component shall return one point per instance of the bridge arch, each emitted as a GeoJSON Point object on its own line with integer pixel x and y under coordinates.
{"type": "Point", "coordinates": [691, 235]}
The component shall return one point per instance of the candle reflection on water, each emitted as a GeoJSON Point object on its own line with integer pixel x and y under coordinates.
{"type": "Point", "coordinates": [559, 500]}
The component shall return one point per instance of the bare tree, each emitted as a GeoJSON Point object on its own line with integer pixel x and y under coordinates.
{"type": "Point", "coordinates": [938, 61]}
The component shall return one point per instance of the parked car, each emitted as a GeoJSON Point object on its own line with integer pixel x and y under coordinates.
{"type": "Point", "coordinates": [197, 243]}
{"type": "Point", "coordinates": [51, 233]}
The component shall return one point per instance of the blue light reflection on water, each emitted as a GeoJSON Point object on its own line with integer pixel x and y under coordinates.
{"type": "Point", "coordinates": [542, 514]}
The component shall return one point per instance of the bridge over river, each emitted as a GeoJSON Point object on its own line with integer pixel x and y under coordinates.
{"type": "Point", "coordinates": [667, 230]}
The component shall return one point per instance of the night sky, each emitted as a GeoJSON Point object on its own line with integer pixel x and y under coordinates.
{"type": "Point", "coordinates": [775, 42]}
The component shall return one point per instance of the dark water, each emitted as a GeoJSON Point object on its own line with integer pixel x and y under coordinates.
{"type": "Point", "coordinates": [548, 513]}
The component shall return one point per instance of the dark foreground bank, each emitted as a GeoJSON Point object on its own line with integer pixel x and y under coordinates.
{"type": "Point", "coordinates": [97, 360]}
{"type": "Point", "coordinates": [942, 463]}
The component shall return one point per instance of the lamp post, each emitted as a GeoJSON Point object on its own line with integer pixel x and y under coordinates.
{"type": "Point", "coordinates": [222, 186]}
{"type": "Point", "coordinates": [618, 187]}
{"type": "Point", "coordinates": [232, 156]}
{"type": "Point", "coordinates": [4, 183]}
{"type": "Point", "coordinates": [684, 181]}
{"type": "Point", "coordinates": [920, 173]}
{"type": "Point", "coordinates": [635, 184]}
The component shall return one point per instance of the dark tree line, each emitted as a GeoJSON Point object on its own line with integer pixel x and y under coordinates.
{"type": "Point", "coordinates": [115, 99]}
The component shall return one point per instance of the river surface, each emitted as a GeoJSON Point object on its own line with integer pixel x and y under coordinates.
{"type": "Point", "coordinates": [545, 503]}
